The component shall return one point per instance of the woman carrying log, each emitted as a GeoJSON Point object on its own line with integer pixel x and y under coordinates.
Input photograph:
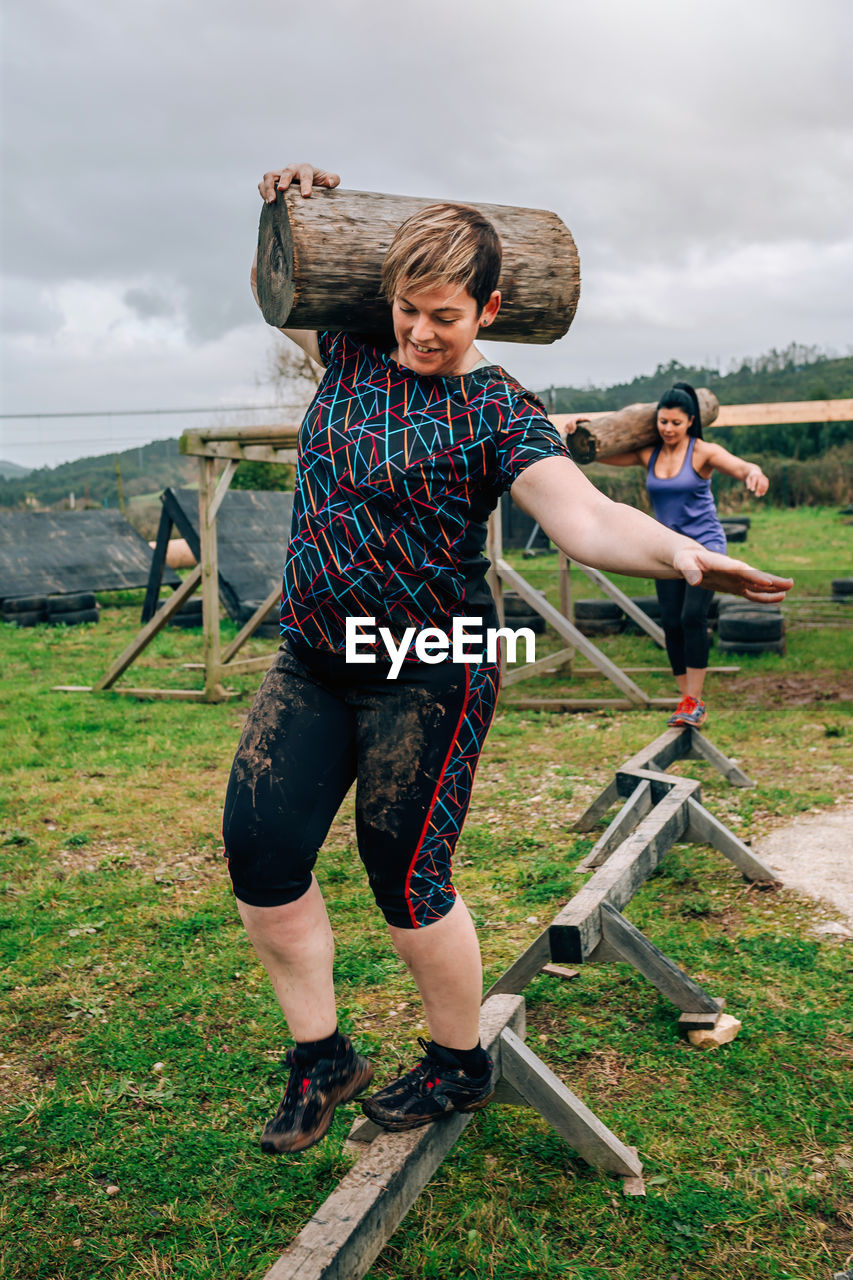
{"type": "Point", "coordinates": [402, 455]}
{"type": "Point", "coordinates": [678, 479]}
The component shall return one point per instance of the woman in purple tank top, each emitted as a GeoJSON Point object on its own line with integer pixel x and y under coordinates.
{"type": "Point", "coordinates": [678, 479]}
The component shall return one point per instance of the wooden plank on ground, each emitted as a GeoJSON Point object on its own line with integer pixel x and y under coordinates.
{"type": "Point", "coordinates": [702, 749]}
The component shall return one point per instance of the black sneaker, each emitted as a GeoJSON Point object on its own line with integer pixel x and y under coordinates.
{"type": "Point", "coordinates": [434, 1088]}
{"type": "Point", "coordinates": [313, 1091]}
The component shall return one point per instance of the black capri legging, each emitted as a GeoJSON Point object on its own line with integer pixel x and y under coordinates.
{"type": "Point", "coordinates": [413, 743]}
{"type": "Point", "coordinates": [684, 618]}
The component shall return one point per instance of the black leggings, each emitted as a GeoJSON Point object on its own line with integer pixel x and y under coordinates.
{"type": "Point", "coordinates": [684, 618]}
{"type": "Point", "coordinates": [413, 743]}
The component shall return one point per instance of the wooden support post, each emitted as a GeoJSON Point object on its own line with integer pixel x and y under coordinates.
{"type": "Point", "coordinates": [158, 563]}
{"type": "Point", "coordinates": [704, 828]}
{"type": "Point", "coordinates": [702, 749]}
{"type": "Point", "coordinates": [598, 808]}
{"type": "Point", "coordinates": [570, 633]}
{"type": "Point", "coordinates": [625, 942]}
{"type": "Point", "coordinates": [541, 666]}
{"type": "Point", "coordinates": [576, 931]}
{"type": "Point", "coordinates": [625, 603]}
{"type": "Point", "coordinates": [252, 625]}
{"type": "Point", "coordinates": [538, 1087]}
{"type": "Point", "coordinates": [150, 630]}
{"type": "Point", "coordinates": [634, 809]}
{"type": "Point", "coordinates": [207, 507]}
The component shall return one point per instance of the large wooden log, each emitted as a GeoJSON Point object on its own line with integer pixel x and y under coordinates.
{"type": "Point", "coordinates": [630, 428]}
{"type": "Point", "coordinates": [320, 262]}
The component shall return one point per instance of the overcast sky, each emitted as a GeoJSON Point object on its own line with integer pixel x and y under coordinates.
{"type": "Point", "coordinates": [702, 156]}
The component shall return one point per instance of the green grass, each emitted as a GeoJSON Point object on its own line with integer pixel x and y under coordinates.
{"type": "Point", "coordinates": [141, 1046]}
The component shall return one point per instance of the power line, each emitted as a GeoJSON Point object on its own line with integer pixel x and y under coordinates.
{"type": "Point", "coordinates": [141, 413]}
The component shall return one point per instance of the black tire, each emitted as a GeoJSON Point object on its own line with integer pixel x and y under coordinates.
{"type": "Point", "coordinates": [596, 627]}
{"type": "Point", "coordinates": [25, 604]}
{"type": "Point", "coordinates": [751, 626]}
{"type": "Point", "coordinates": [737, 604]}
{"type": "Point", "coordinates": [735, 532]}
{"type": "Point", "coordinates": [186, 621]}
{"type": "Point", "coordinates": [31, 619]}
{"type": "Point", "coordinates": [74, 617]}
{"type": "Point", "coordinates": [725, 520]}
{"type": "Point", "coordinates": [751, 646]}
{"type": "Point", "coordinates": [71, 603]}
{"type": "Point", "coordinates": [841, 599]}
{"type": "Point", "coordinates": [840, 587]}
{"type": "Point", "coordinates": [193, 605]}
{"type": "Point", "coordinates": [597, 611]}
{"type": "Point", "coordinates": [534, 621]}
{"type": "Point", "coordinates": [650, 606]}
{"type": "Point", "coordinates": [515, 606]}
{"type": "Point", "coordinates": [268, 631]}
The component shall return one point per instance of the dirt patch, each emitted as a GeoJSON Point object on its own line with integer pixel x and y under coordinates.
{"type": "Point", "coordinates": [793, 690]}
{"type": "Point", "coordinates": [812, 854]}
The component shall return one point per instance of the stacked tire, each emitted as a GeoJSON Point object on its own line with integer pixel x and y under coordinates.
{"type": "Point", "coordinates": [842, 590]}
{"type": "Point", "coordinates": [598, 617]}
{"type": "Point", "coordinates": [68, 610]}
{"type": "Point", "coordinates": [71, 610]}
{"type": "Point", "coordinates": [650, 606]}
{"type": "Point", "coordinates": [518, 613]}
{"type": "Point", "coordinates": [188, 616]}
{"type": "Point", "coordinates": [269, 628]}
{"type": "Point", "coordinates": [745, 627]}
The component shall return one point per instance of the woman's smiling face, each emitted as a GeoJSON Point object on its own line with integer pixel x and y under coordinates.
{"type": "Point", "coordinates": [436, 327]}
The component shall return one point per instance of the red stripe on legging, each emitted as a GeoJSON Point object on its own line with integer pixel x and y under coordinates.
{"type": "Point", "coordinates": [459, 723]}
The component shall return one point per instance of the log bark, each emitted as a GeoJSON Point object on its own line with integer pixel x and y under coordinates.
{"type": "Point", "coordinates": [625, 430]}
{"type": "Point", "coordinates": [320, 262]}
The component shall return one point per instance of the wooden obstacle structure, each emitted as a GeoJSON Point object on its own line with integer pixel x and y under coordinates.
{"type": "Point", "coordinates": [347, 1232]}
{"type": "Point", "coordinates": [658, 810]}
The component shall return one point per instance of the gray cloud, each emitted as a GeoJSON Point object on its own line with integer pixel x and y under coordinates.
{"type": "Point", "coordinates": [701, 156]}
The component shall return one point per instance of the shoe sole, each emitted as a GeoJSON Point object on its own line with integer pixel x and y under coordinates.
{"type": "Point", "coordinates": [394, 1125]}
{"type": "Point", "coordinates": [275, 1144]}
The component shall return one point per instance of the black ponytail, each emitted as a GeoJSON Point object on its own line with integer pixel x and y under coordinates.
{"type": "Point", "coordinates": [682, 396]}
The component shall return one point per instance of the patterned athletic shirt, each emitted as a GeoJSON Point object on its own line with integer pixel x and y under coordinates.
{"type": "Point", "coordinates": [397, 473]}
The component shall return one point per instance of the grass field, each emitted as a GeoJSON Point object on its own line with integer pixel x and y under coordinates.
{"type": "Point", "coordinates": [140, 1047]}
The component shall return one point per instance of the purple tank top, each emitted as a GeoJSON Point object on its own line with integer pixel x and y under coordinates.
{"type": "Point", "coordinates": [684, 502]}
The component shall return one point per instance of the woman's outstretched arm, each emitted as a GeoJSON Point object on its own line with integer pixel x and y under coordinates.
{"type": "Point", "coordinates": [588, 527]}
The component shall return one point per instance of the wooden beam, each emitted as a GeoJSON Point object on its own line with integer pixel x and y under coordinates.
{"type": "Point", "coordinates": [702, 749]}
{"type": "Point", "coordinates": [625, 603]}
{"type": "Point", "coordinates": [251, 625]}
{"type": "Point", "coordinates": [570, 633]}
{"type": "Point", "coordinates": [632, 947]}
{"type": "Point", "coordinates": [540, 667]}
{"type": "Point", "coordinates": [784, 412]}
{"type": "Point", "coordinates": [150, 630]}
{"type": "Point", "coordinates": [704, 828]}
{"type": "Point", "coordinates": [577, 930]}
{"type": "Point", "coordinates": [545, 1092]}
{"type": "Point", "coordinates": [634, 809]}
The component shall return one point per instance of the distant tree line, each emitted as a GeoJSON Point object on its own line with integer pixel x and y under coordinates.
{"type": "Point", "coordinates": [807, 462]}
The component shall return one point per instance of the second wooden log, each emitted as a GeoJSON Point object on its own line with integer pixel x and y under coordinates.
{"type": "Point", "coordinates": [320, 263]}
{"type": "Point", "coordinates": [627, 429]}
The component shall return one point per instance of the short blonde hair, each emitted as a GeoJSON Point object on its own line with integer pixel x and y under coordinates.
{"type": "Point", "coordinates": [444, 244]}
